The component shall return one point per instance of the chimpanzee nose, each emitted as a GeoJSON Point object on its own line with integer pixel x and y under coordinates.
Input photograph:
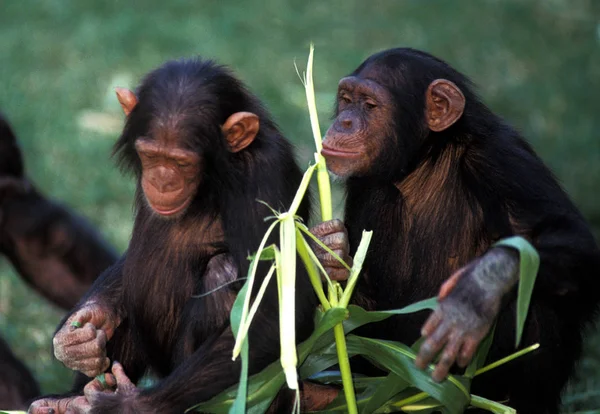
{"type": "Point", "coordinates": [346, 123]}
{"type": "Point", "coordinates": [164, 180]}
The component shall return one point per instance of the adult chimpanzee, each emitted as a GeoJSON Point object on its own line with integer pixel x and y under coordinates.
{"type": "Point", "coordinates": [58, 253]}
{"type": "Point", "coordinates": [17, 385]}
{"type": "Point", "coordinates": [439, 178]}
{"type": "Point", "coordinates": [204, 151]}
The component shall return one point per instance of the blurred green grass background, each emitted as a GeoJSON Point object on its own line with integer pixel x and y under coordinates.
{"type": "Point", "coordinates": [537, 63]}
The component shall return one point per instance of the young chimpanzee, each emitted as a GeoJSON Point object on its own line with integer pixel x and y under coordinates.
{"type": "Point", "coordinates": [204, 151]}
{"type": "Point", "coordinates": [55, 251]}
{"type": "Point", "coordinates": [439, 178]}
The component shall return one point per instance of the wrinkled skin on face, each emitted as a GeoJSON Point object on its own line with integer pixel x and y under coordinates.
{"type": "Point", "coordinates": [360, 129]}
{"type": "Point", "coordinates": [169, 175]}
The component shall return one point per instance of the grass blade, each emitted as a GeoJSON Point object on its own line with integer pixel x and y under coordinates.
{"type": "Point", "coordinates": [528, 269]}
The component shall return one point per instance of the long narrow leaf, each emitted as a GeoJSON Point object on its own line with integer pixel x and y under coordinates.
{"type": "Point", "coordinates": [529, 264]}
{"type": "Point", "coordinates": [287, 304]}
{"type": "Point", "coordinates": [243, 329]}
{"type": "Point", "coordinates": [399, 359]}
{"type": "Point", "coordinates": [359, 258]}
{"type": "Point", "coordinates": [304, 251]}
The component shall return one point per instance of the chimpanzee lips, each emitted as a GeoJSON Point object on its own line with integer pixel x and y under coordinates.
{"type": "Point", "coordinates": [334, 152]}
{"type": "Point", "coordinates": [170, 210]}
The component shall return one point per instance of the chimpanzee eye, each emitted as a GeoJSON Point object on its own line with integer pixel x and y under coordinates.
{"type": "Point", "coordinates": [370, 105]}
{"type": "Point", "coordinates": [183, 164]}
{"type": "Point", "coordinates": [345, 99]}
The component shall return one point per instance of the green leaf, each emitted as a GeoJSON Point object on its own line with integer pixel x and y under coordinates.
{"type": "Point", "coordinates": [268, 253]}
{"type": "Point", "coordinates": [389, 387]}
{"type": "Point", "coordinates": [528, 269]}
{"type": "Point", "coordinates": [399, 359]}
{"type": "Point", "coordinates": [481, 354]}
{"type": "Point", "coordinates": [359, 258]}
{"type": "Point", "coordinates": [264, 386]}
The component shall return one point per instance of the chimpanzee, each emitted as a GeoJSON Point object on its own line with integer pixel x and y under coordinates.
{"type": "Point", "coordinates": [439, 178]}
{"type": "Point", "coordinates": [55, 251]}
{"type": "Point", "coordinates": [17, 385]}
{"type": "Point", "coordinates": [203, 150]}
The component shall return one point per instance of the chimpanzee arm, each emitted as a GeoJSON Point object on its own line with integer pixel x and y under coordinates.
{"type": "Point", "coordinates": [80, 342]}
{"type": "Point", "coordinates": [81, 339]}
{"type": "Point", "coordinates": [57, 252]}
{"type": "Point", "coordinates": [538, 210]}
{"type": "Point", "coordinates": [208, 371]}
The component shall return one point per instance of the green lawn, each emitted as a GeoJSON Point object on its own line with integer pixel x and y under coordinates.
{"type": "Point", "coordinates": [537, 64]}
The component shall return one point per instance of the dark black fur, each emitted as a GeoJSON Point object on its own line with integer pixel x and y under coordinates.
{"type": "Point", "coordinates": [187, 341]}
{"type": "Point", "coordinates": [17, 385]}
{"type": "Point", "coordinates": [458, 191]}
{"type": "Point", "coordinates": [56, 252]}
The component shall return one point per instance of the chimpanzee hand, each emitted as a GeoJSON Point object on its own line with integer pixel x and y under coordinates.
{"type": "Point", "coordinates": [123, 394]}
{"type": "Point", "coordinates": [81, 342]}
{"type": "Point", "coordinates": [58, 406]}
{"type": "Point", "coordinates": [468, 304]}
{"type": "Point", "coordinates": [334, 235]}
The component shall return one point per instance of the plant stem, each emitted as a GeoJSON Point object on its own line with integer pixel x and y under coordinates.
{"type": "Point", "coordinates": [344, 361]}
{"type": "Point", "coordinates": [327, 214]}
{"type": "Point", "coordinates": [507, 359]}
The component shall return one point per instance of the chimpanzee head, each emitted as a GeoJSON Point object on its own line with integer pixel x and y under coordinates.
{"type": "Point", "coordinates": [185, 116]}
{"type": "Point", "coordinates": [389, 110]}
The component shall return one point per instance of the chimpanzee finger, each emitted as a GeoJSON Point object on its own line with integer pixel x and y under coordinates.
{"type": "Point", "coordinates": [93, 366]}
{"type": "Point", "coordinates": [79, 405]}
{"type": "Point", "coordinates": [123, 381]}
{"type": "Point", "coordinates": [467, 351]}
{"type": "Point", "coordinates": [76, 337]}
{"type": "Point", "coordinates": [41, 407]}
{"type": "Point", "coordinates": [450, 284]}
{"type": "Point", "coordinates": [432, 345]}
{"type": "Point", "coordinates": [448, 357]}
{"type": "Point", "coordinates": [338, 275]}
{"type": "Point", "coordinates": [93, 348]}
{"type": "Point", "coordinates": [432, 323]}
{"type": "Point", "coordinates": [82, 317]}
{"type": "Point", "coordinates": [328, 260]}
{"type": "Point", "coordinates": [328, 227]}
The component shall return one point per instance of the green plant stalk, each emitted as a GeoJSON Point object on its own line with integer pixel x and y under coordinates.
{"type": "Point", "coordinates": [322, 174]}
{"type": "Point", "coordinates": [315, 280]}
{"type": "Point", "coordinates": [507, 359]}
{"type": "Point", "coordinates": [326, 215]}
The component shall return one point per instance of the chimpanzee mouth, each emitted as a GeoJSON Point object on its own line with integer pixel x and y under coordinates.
{"type": "Point", "coordinates": [333, 152]}
{"type": "Point", "coordinates": [170, 211]}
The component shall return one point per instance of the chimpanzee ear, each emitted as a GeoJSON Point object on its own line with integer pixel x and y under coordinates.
{"type": "Point", "coordinates": [445, 104]}
{"type": "Point", "coordinates": [127, 99]}
{"type": "Point", "coordinates": [240, 129]}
